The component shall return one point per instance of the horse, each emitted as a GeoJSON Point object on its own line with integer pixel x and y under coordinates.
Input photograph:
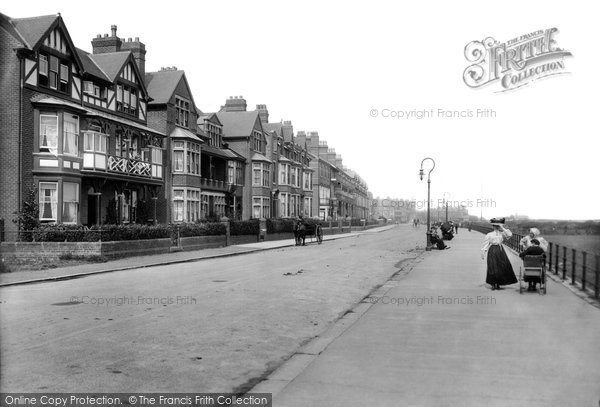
{"type": "Point", "coordinates": [300, 233]}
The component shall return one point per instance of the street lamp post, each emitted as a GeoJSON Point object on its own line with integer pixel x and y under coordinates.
{"type": "Point", "coordinates": [421, 173]}
{"type": "Point", "coordinates": [446, 202]}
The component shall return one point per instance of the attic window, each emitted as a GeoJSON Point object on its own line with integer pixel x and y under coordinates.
{"type": "Point", "coordinates": [182, 111]}
{"type": "Point", "coordinates": [127, 99]}
{"type": "Point", "coordinates": [53, 73]}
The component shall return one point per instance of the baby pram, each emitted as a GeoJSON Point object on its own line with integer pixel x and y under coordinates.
{"type": "Point", "coordinates": [534, 267]}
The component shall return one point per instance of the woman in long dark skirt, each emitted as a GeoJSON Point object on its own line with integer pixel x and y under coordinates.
{"type": "Point", "coordinates": [499, 269]}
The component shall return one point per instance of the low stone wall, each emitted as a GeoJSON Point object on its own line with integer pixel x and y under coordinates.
{"type": "Point", "coordinates": [243, 239]}
{"type": "Point", "coordinates": [128, 248]}
{"type": "Point", "coordinates": [202, 242]}
{"type": "Point", "coordinates": [44, 252]}
{"type": "Point", "coordinates": [279, 236]}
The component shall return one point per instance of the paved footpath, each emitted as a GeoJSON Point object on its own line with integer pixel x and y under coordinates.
{"type": "Point", "coordinates": [129, 263]}
{"type": "Point", "coordinates": [438, 336]}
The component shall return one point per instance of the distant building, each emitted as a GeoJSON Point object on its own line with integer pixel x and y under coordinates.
{"type": "Point", "coordinates": [338, 192]}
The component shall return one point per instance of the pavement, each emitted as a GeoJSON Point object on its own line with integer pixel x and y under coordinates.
{"type": "Point", "coordinates": [436, 335]}
{"type": "Point", "coordinates": [131, 263]}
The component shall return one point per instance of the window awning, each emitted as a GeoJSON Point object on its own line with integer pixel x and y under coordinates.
{"type": "Point", "coordinates": [260, 157]}
{"type": "Point", "coordinates": [179, 132]}
{"type": "Point", "coordinates": [52, 101]}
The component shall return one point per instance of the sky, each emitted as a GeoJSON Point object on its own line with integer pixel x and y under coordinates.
{"type": "Point", "coordinates": [342, 68]}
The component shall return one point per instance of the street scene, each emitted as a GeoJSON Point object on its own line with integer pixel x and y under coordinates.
{"type": "Point", "coordinates": [298, 204]}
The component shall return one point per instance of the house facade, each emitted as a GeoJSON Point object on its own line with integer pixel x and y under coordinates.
{"type": "Point", "coordinates": [245, 135]}
{"type": "Point", "coordinates": [77, 127]}
{"type": "Point", "coordinates": [99, 140]}
{"type": "Point", "coordinates": [222, 172]}
{"type": "Point", "coordinates": [172, 111]}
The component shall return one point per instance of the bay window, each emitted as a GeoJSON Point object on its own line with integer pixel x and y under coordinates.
{"type": "Point", "coordinates": [307, 180]}
{"type": "Point", "coordinates": [70, 208]}
{"type": "Point", "coordinates": [48, 133]}
{"type": "Point", "coordinates": [94, 149]}
{"type": "Point", "coordinates": [193, 205]}
{"type": "Point", "coordinates": [71, 135]}
{"type": "Point", "coordinates": [308, 206]}
{"type": "Point", "coordinates": [178, 204]}
{"type": "Point", "coordinates": [261, 207]}
{"type": "Point", "coordinates": [48, 197]}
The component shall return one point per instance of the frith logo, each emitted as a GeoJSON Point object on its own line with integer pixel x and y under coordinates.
{"type": "Point", "coordinates": [515, 63]}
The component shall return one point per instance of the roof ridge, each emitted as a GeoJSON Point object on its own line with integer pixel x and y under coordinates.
{"type": "Point", "coordinates": [35, 17]}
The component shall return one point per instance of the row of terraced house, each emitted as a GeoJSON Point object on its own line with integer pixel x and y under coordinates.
{"type": "Point", "coordinates": [101, 140]}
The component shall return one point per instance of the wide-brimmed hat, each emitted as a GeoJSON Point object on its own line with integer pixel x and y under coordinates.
{"type": "Point", "coordinates": [497, 221]}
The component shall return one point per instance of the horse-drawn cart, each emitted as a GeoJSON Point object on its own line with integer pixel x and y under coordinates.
{"type": "Point", "coordinates": [304, 229]}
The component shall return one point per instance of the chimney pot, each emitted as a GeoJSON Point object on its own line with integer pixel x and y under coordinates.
{"type": "Point", "coordinates": [129, 39]}
{"type": "Point", "coordinates": [99, 36]}
{"type": "Point", "coordinates": [137, 39]}
{"type": "Point", "coordinates": [105, 35]}
{"type": "Point", "coordinates": [113, 30]}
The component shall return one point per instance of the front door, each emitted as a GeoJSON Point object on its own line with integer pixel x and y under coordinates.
{"type": "Point", "coordinates": [92, 210]}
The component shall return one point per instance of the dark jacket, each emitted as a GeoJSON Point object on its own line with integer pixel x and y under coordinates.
{"type": "Point", "coordinates": [533, 251]}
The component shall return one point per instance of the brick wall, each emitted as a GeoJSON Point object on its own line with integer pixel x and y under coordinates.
{"type": "Point", "coordinates": [9, 130]}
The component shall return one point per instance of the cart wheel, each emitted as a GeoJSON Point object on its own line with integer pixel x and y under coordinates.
{"type": "Point", "coordinates": [319, 233]}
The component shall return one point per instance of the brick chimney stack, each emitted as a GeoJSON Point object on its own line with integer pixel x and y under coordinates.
{"type": "Point", "coordinates": [287, 130]}
{"type": "Point", "coordinates": [263, 113]}
{"type": "Point", "coordinates": [102, 45]}
{"type": "Point", "coordinates": [235, 104]}
{"type": "Point", "coordinates": [138, 49]}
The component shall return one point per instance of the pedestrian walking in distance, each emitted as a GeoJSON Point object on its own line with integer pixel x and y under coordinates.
{"type": "Point", "coordinates": [499, 269]}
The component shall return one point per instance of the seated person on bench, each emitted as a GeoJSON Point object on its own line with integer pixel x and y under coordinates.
{"type": "Point", "coordinates": [533, 250]}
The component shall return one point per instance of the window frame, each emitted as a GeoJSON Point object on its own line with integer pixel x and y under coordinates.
{"type": "Point", "coordinates": [47, 148]}
{"type": "Point", "coordinates": [53, 201]}
{"type": "Point", "coordinates": [76, 202]}
{"type": "Point", "coordinates": [75, 119]}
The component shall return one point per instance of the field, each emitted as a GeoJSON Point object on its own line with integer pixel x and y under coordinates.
{"type": "Point", "coordinates": [587, 243]}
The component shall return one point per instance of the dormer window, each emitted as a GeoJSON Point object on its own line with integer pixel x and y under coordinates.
{"type": "Point", "coordinates": [127, 99]}
{"type": "Point", "coordinates": [182, 112]}
{"type": "Point", "coordinates": [53, 73]}
{"type": "Point", "coordinates": [91, 89]}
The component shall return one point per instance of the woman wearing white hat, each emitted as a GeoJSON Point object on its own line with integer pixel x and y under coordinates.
{"type": "Point", "coordinates": [534, 233]}
{"type": "Point", "coordinates": [499, 269]}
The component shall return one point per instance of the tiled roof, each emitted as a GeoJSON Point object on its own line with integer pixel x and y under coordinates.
{"type": "Point", "coordinates": [90, 66]}
{"type": "Point", "coordinates": [237, 124]}
{"type": "Point", "coordinates": [111, 62]}
{"type": "Point", "coordinates": [211, 116]}
{"type": "Point", "coordinates": [276, 127]}
{"type": "Point", "coordinates": [33, 28]}
{"type": "Point", "coordinates": [162, 84]}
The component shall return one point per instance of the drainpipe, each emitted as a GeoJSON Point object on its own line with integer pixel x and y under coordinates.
{"type": "Point", "coordinates": [20, 165]}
